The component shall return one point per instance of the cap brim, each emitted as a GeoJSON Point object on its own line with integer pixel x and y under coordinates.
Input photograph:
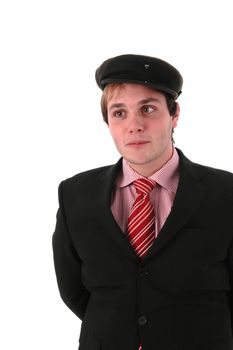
{"type": "Point", "coordinates": [158, 87]}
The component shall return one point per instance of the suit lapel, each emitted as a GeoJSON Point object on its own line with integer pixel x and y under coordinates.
{"type": "Point", "coordinates": [190, 194]}
{"type": "Point", "coordinates": [103, 210]}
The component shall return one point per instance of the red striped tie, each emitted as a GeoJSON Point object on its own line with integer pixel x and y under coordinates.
{"type": "Point", "coordinates": [141, 221]}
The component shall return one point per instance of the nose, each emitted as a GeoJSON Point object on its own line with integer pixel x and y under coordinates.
{"type": "Point", "coordinates": [135, 125]}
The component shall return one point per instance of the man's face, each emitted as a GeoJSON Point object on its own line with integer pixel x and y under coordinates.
{"type": "Point", "coordinates": [141, 127]}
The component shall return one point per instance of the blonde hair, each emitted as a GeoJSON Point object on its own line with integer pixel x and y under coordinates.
{"type": "Point", "coordinates": [107, 95]}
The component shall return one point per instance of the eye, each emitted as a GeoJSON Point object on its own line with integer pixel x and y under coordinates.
{"type": "Point", "coordinates": [118, 114]}
{"type": "Point", "coordinates": [148, 109]}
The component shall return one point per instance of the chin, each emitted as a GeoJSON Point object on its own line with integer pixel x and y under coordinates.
{"type": "Point", "coordinates": [136, 161]}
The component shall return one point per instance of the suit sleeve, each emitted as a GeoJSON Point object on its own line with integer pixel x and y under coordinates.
{"type": "Point", "coordinates": [68, 265]}
{"type": "Point", "coordinates": [230, 269]}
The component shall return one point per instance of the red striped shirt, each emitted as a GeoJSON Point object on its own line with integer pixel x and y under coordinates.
{"type": "Point", "coordinates": [162, 196]}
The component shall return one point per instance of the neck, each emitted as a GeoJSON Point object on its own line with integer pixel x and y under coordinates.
{"type": "Point", "coordinates": [148, 170]}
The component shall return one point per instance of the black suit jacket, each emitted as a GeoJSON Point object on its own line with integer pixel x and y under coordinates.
{"type": "Point", "coordinates": [180, 296]}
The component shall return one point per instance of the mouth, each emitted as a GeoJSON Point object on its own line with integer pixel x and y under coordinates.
{"type": "Point", "coordinates": [137, 143]}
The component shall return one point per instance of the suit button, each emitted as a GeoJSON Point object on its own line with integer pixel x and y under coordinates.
{"type": "Point", "coordinates": [142, 320]}
{"type": "Point", "coordinates": [143, 273]}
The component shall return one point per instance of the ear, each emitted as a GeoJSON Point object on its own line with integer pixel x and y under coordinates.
{"type": "Point", "coordinates": [175, 117]}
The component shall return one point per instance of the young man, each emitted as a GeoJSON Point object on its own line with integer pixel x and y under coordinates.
{"type": "Point", "coordinates": [143, 249]}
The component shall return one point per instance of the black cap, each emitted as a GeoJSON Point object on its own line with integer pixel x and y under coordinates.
{"type": "Point", "coordinates": [138, 69]}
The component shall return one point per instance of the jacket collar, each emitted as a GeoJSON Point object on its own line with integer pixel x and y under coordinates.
{"type": "Point", "coordinates": [190, 193]}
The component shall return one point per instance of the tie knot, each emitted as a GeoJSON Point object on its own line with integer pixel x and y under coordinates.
{"type": "Point", "coordinates": [144, 186]}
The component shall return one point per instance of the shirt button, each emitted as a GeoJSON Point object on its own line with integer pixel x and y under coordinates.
{"type": "Point", "coordinates": [142, 320]}
{"type": "Point", "coordinates": [143, 273]}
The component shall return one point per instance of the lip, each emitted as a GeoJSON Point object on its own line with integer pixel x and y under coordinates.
{"type": "Point", "coordinates": [137, 143]}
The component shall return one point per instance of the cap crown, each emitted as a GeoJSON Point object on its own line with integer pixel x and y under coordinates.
{"type": "Point", "coordinates": [139, 69]}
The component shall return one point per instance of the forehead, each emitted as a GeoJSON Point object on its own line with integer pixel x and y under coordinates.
{"type": "Point", "coordinates": [132, 91]}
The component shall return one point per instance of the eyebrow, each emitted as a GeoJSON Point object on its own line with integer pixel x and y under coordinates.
{"type": "Point", "coordinates": [117, 105]}
{"type": "Point", "coordinates": [142, 102]}
{"type": "Point", "coordinates": [149, 99]}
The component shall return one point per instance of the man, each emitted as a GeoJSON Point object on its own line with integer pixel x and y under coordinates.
{"type": "Point", "coordinates": [143, 249]}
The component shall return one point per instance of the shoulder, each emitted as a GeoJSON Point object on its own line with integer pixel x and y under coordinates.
{"type": "Point", "coordinates": [88, 175]}
{"type": "Point", "coordinates": [85, 179]}
{"type": "Point", "coordinates": [205, 172]}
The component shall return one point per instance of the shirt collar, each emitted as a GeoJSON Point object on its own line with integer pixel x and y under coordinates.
{"type": "Point", "coordinates": [167, 176]}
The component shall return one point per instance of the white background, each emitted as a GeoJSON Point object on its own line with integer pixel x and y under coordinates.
{"type": "Point", "coordinates": [51, 126]}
